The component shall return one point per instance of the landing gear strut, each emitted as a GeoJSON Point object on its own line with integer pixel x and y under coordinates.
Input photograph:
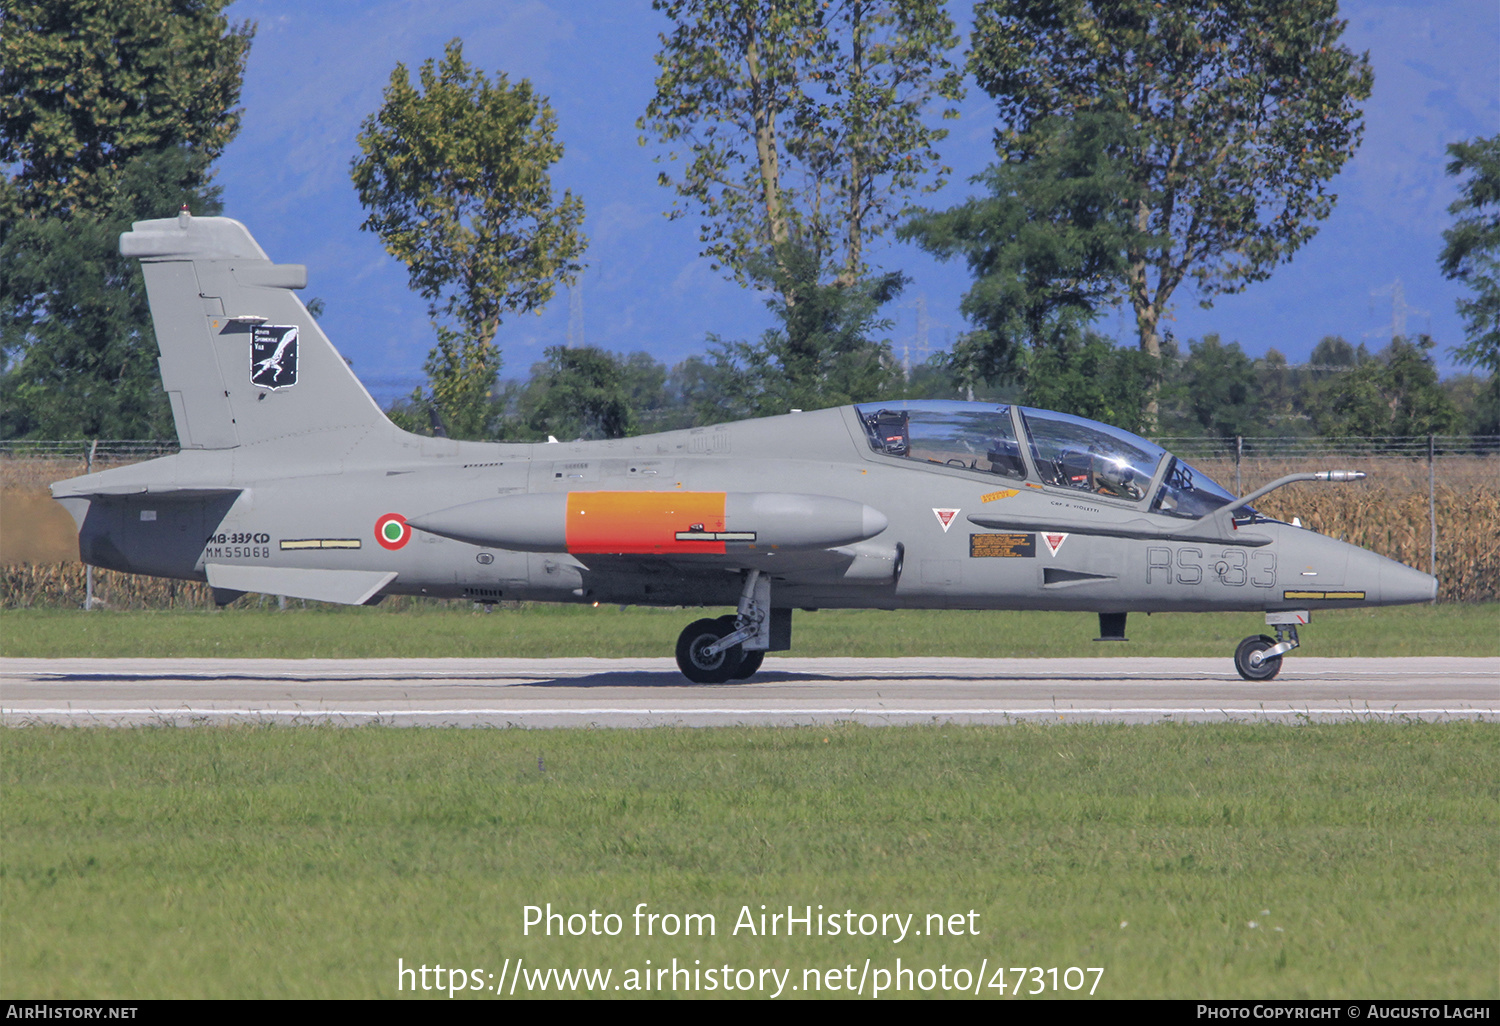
{"type": "Point", "coordinates": [1258, 657]}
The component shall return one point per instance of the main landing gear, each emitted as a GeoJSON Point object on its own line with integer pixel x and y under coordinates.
{"type": "Point", "coordinates": [1258, 657]}
{"type": "Point", "coordinates": [733, 647]}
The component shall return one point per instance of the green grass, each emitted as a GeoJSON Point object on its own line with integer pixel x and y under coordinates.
{"type": "Point", "coordinates": [303, 862]}
{"type": "Point", "coordinates": [541, 630]}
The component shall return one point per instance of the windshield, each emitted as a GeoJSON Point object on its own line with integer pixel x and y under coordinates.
{"type": "Point", "coordinates": [1068, 451]}
{"type": "Point", "coordinates": [1072, 452]}
{"type": "Point", "coordinates": [1188, 492]}
{"type": "Point", "coordinates": [967, 436]}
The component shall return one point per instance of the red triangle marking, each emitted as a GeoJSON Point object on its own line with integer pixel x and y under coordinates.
{"type": "Point", "coordinates": [945, 517]}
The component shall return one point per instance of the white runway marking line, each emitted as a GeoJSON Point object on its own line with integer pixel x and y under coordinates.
{"type": "Point", "coordinates": [130, 678]}
{"type": "Point", "coordinates": [754, 711]}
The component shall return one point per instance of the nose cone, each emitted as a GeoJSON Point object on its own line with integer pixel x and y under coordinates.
{"type": "Point", "coordinates": [1401, 584]}
{"type": "Point", "coordinates": [1388, 583]}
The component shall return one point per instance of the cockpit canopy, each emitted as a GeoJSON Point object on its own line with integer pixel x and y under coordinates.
{"type": "Point", "coordinates": [1065, 452]}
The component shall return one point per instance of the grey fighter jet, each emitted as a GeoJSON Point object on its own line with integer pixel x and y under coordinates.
{"type": "Point", "coordinates": [292, 482]}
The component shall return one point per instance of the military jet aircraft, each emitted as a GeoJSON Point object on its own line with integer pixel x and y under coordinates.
{"type": "Point", "coordinates": [291, 481]}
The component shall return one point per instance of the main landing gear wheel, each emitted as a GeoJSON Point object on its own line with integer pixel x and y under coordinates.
{"type": "Point", "coordinates": [1264, 670]}
{"type": "Point", "coordinates": [701, 668]}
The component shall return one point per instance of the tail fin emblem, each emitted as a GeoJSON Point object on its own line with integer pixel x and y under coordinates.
{"type": "Point", "coordinates": [273, 356]}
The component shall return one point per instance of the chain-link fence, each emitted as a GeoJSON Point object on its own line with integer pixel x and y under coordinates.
{"type": "Point", "coordinates": [1457, 452]}
{"type": "Point", "coordinates": [104, 450]}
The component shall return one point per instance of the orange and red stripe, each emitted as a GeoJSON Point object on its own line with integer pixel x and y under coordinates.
{"type": "Point", "coordinates": [643, 522]}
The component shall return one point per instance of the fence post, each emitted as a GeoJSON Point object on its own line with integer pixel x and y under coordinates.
{"type": "Point", "coordinates": [88, 568]}
{"type": "Point", "coordinates": [1431, 507]}
{"type": "Point", "coordinates": [1239, 452]}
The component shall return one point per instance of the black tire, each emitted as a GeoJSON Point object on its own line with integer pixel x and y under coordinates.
{"type": "Point", "coordinates": [1266, 670]}
{"type": "Point", "coordinates": [697, 667]}
{"type": "Point", "coordinates": [749, 665]}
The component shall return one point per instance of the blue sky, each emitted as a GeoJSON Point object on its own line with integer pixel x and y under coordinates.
{"type": "Point", "coordinates": [317, 70]}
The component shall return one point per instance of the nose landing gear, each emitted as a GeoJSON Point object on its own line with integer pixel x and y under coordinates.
{"type": "Point", "coordinates": [1258, 657]}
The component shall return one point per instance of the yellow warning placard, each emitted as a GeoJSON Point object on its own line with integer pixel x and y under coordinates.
{"type": "Point", "coordinates": [1002, 546]}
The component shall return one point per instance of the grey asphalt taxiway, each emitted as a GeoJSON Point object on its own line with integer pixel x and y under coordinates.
{"type": "Point", "coordinates": [650, 692]}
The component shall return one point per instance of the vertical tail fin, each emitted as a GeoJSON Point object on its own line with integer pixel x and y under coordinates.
{"type": "Point", "coordinates": [242, 360]}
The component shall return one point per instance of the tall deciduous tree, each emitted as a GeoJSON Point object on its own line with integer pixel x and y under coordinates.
{"type": "Point", "coordinates": [111, 113]}
{"type": "Point", "coordinates": [1471, 254]}
{"type": "Point", "coordinates": [1239, 112]}
{"type": "Point", "coordinates": [801, 123]}
{"type": "Point", "coordinates": [456, 178]}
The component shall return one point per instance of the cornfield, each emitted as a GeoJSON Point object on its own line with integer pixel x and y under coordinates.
{"type": "Point", "coordinates": [64, 586]}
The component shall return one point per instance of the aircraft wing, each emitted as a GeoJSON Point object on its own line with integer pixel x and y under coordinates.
{"type": "Point", "coordinates": [348, 587]}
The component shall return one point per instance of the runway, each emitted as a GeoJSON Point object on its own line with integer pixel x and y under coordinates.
{"type": "Point", "coordinates": [650, 692]}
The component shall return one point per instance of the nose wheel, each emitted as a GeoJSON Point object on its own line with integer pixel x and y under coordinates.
{"type": "Point", "coordinates": [1259, 657]}
{"type": "Point", "coordinates": [1251, 661]}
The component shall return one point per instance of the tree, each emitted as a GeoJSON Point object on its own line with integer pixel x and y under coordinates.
{"type": "Point", "coordinates": [579, 392]}
{"type": "Point", "coordinates": [1418, 405]}
{"type": "Point", "coordinates": [1220, 388]}
{"type": "Point", "coordinates": [112, 113]}
{"type": "Point", "coordinates": [1239, 112]}
{"type": "Point", "coordinates": [1088, 376]}
{"type": "Point", "coordinates": [75, 320]}
{"type": "Point", "coordinates": [802, 123]}
{"type": "Point", "coordinates": [1276, 386]}
{"type": "Point", "coordinates": [1471, 254]}
{"type": "Point", "coordinates": [1046, 246]}
{"type": "Point", "coordinates": [1337, 352]}
{"type": "Point", "coordinates": [88, 87]}
{"type": "Point", "coordinates": [461, 371]}
{"type": "Point", "coordinates": [455, 177]}
{"type": "Point", "coordinates": [1395, 392]}
{"type": "Point", "coordinates": [1350, 404]}
{"type": "Point", "coordinates": [822, 354]}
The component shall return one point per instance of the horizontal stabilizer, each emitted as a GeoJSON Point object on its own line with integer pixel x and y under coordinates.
{"type": "Point", "coordinates": [347, 587]}
{"type": "Point", "coordinates": [155, 491]}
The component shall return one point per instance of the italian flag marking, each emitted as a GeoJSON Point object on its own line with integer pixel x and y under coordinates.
{"type": "Point", "coordinates": [391, 531]}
